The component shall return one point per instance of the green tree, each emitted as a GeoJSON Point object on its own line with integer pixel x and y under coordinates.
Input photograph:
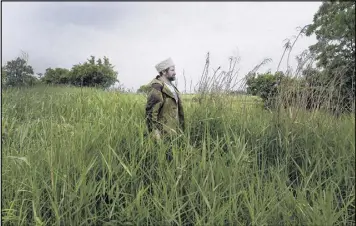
{"type": "Point", "coordinates": [334, 27]}
{"type": "Point", "coordinates": [3, 76]}
{"type": "Point", "coordinates": [93, 74]}
{"type": "Point", "coordinates": [18, 73]}
{"type": "Point", "coordinates": [56, 76]}
{"type": "Point", "coordinates": [264, 85]}
{"type": "Point", "coordinates": [144, 89]}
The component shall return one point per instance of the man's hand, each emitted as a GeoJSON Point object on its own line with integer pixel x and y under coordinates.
{"type": "Point", "coordinates": [156, 135]}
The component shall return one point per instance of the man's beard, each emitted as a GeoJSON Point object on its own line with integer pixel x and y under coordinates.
{"type": "Point", "coordinates": [172, 78]}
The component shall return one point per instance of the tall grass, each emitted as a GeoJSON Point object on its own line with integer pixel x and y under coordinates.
{"type": "Point", "coordinates": [74, 156]}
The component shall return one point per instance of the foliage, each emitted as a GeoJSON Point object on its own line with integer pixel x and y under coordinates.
{"type": "Point", "coordinates": [93, 74]}
{"type": "Point", "coordinates": [144, 89]}
{"type": "Point", "coordinates": [238, 92]}
{"type": "Point", "coordinates": [56, 76]}
{"type": "Point", "coordinates": [264, 85]}
{"type": "Point", "coordinates": [3, 77]}
{"type": "Point", "coordinates": [18, 73]}
{"type": "Point", "coordinates": [75, 156]}
{"type": "Point", "coordinates": [334, 27]}
{"type": "Point", "coordinates": [331, 85]}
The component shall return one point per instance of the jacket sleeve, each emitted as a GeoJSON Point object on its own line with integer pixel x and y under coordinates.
{"type": "Point", "coordinates": [181, 114]}
{"type": "Point", "coordinates": [153, 107]}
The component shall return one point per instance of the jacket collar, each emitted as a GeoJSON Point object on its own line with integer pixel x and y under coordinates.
{"type": "Point", "coordinates": [165, 89]}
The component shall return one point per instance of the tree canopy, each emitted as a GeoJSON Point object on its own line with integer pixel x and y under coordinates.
{"type": "Point", "coordinates": [18, 73]}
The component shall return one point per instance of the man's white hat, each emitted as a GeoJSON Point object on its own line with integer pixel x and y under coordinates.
{"type": "Point", "coordinates": [164, 65]}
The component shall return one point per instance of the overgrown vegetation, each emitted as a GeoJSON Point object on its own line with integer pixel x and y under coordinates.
{"type": "Point", "coordinates": [100, 74]}
{"type": "Point", "coordinates": [144, 89]}
{"type": "Point", "coordinates": [329, 85]}
{"type": "Point", "coordinates": [18, 73]}
{"type": "Point", "coordinates": [78, 156]}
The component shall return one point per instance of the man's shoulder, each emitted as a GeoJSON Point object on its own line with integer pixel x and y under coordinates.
{"type": "Point", "coordinates": [156, 84]}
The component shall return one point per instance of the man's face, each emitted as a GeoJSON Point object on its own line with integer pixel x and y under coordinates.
{"type": "Point", "coordinates": [170, 74]}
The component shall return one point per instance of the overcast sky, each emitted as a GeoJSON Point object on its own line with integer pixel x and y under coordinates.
{"type": "Point", "coordinates": [135, 36]}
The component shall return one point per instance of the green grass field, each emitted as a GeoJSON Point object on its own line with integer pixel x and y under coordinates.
{"type": "Point", "coordinates": [74, 156]}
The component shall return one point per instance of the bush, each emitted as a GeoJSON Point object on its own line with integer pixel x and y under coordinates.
{"type": "Point", "coordinates": [89, 74]}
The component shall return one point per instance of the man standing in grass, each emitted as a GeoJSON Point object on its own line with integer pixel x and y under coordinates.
{"type": "Point", "coordinates": [164, 110]}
